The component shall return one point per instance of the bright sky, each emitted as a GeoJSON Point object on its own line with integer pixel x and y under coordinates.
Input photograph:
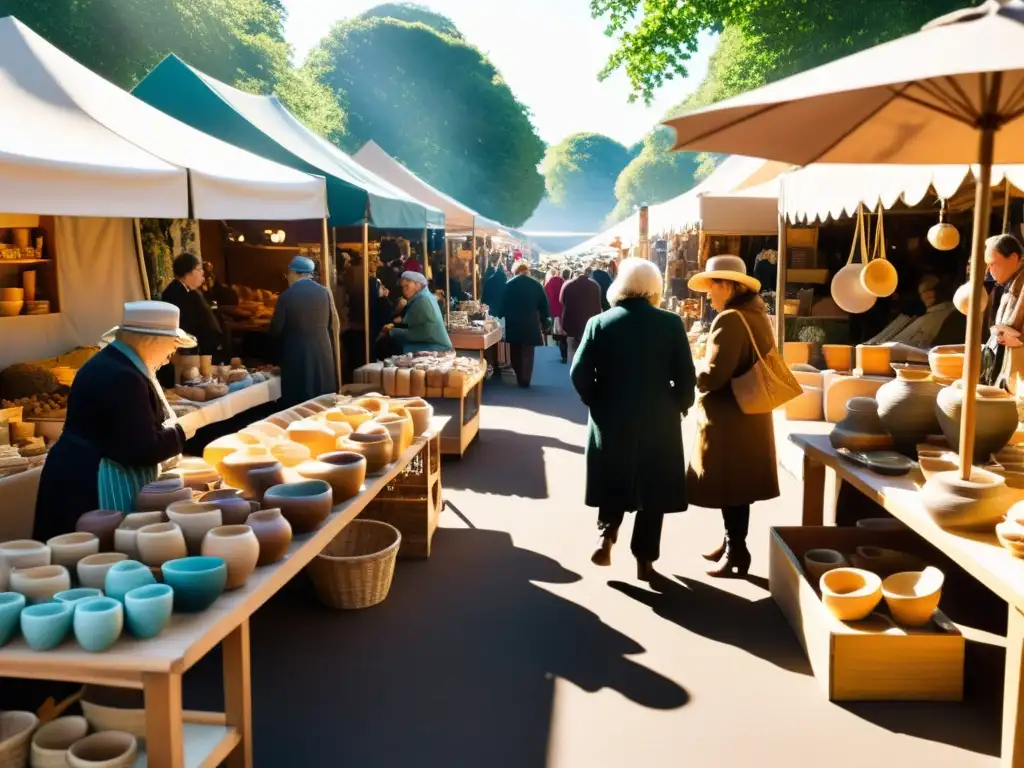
{"type": "Point", "coordinates": [549, 52]}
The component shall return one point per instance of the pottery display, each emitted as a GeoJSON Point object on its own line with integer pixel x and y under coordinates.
{"type": "Point", "coordinates": [874, 360]}
{"type": "Point", "coordinates": [11, 606]}
{"type": "Point", "coordinates": [932, 465]}
{"type": "Point", "coordinates": [273, 532]}
{"type": "Point", "coordinates": [302, 412]}
{"type": "Point", "coordinates": [796, 352]}
{"type": "Point", "coordinates": [45, 625]}
{"type": "Point", "coordinates": [126, 535]}
{"type": "Point", "coordinates": [906, 408]}
{"type": "Point", "coordinates": [106, 749]}
{"type": "Point", "coordinates": [291, 454]}
{"type": "Point", "coordinates": [67, 549]}
{"type": "Point", "coordinates": [197, 582]}
{"type": "Point", "coordinates": [305, 505]}
{"type": "Point", "coordinates": [978, 503]}
{"type": "Point", "coordinates": [16, 729]}
{"type": "Point", "coordinates": [216, 451]}
{"type": "Point", "coordinates": [196, 474]}
{"type": "Point", "coordinates": [861, 430]}
{"type": "Point", "coordinates": [377, 406]}
{"type": "Point", "coordinates": [236, 467]}
{"type": "Point", "coordinates": [913, 596]}
{"type": "Point", "coordinates": [92, 570]}
{"type": "Point", "coordinates": [11, 308]}
{"type": "Point", "coordinates": [195, 519]}
{"type": "Point", "coordinates": [75, 596]}
{"type": "Point", "coordinates": [879, 277]}
{"type": "Point", "coordinates": [399, 425]}
{"type": "Point", "coordinates": [840, 388]}
{"type": "Point", "coordinates": [881, 524]}
{"type": "Point", "coordinates": [820, 561]}
{"type": "Point", "coordinates": [838, 357]}
{"type": "Point", "coordinates": [344, 471]}
{"type": "Point", "coordinates": [125, 576]}
{"type": "Point", "coordinates": [148, 610]}
{"type": "Point", "coordinates": [339, 428]}
{"type": "Point", "coordinates": [850, 594]}
{"type": "Point", "coordinates": [156, 496]}
{"type": "Point", "coordinates": [354, 415]}
{"type": "Point", "coordinates": [21, 553]}
{"type": "Point", "coordinates": [278, 421]}
{"type": "Point", "coordinates": [883, 561]}
{"type": "Point", "coordinates": [101, 523]}
{"type": "Point", "coordinates": [421, 412]}
{"type": "Point", "coordinates": [315, 435]}
{"type": "Point", "coordinates": [809, 405]}
{"type": "Point", "coordinates": [947, 362]}
{"type": "Point", "coordinates": [159, 543]}
{"type": "Point", "coordinates": [104, 718]}
{"type": "Point", "coordinates": [264, 431]}
{"type": "Point", "coordinates": [234, 508]}
{"type": "Point", "coordinates": [375, 446]}
{"type": "Point", "coordinates": [848, 292]}
{"type": "Point", "coordinates": [995, 418]}
{"type": "Point", "coordinates": [51, 742]}
{"type": "Point", "coordinates": [40, 583]}
{"type": "Point", "coordinates": [98, 623]}
{"type": "Point", "coordinates": [240, 549]}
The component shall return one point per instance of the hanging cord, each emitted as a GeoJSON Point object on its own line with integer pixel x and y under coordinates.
{"type": "Point", "coordinates": [878, 251]}
{"type": "Point", "coordinates": [858, 233]}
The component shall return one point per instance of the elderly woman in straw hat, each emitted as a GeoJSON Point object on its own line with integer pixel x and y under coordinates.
{"type": "Point", "coordinates": [733, 462]}
{"type": "Point", "coordinates": [633, 370]}
{"type": "Point", "coordinates": [119, 426]}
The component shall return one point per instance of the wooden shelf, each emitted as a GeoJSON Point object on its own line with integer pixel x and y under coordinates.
{"type": "Point", "coordinates": [24, 261]}
{"type": "Point", "coordinates": [205, 746]}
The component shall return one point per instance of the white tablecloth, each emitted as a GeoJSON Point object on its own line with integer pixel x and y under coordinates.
{"type": "Point", "coordinates": [233, 404]}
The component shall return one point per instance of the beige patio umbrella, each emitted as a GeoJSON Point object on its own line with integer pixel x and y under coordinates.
{"type": "Point", "coordinates": [941, 95]}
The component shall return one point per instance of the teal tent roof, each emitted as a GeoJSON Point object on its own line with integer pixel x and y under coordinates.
{"type": "Point", "coordinates": [262, 125]}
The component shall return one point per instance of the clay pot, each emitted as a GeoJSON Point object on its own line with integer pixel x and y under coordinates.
{"type": "Point", "coordinates": [126, 536]}
{"type": "Point", "coordinates": [237, 466]}
{"type": "Point", "coordinates": [978, 503]}
{"type": "Point", "coordinates": [796, 352]}
{"type": "Point", "coordinates": [376, 447]}
{"type": "Point", "coordinates": [947, 362]}
{"type": "Point", "coordinates": [421, 412]}
{"type": "Point", "coordinates": [22, 553]}
{"type": "Point", "coordinates": [861, 430]}
{"type": "Point", "coordinates": [161, 542]}
{"type": "Point", "coordinates": [874, 360]}
{"type": "Point", "coordinates": [317, 437]}
{"type": "Point", "coordinates": [51, 742]}
{"type": "Point", "coordinates": [101, 523]}
{"type": "Point", "coordinates": [240, 549]}
{"type": "Point", "coordinates": [69, 548]}
{"type": "Point", "coordinates": [344, 471]}
{"type": "Point", "coordinates": [884, 562]}
{"type": "Point", "coordinates": [838, 357]}
{"type": "Point", "coordinates": [196, 474]}
{"type": "Point", "coordinates": [218, 450]}
{"type": "Point", "coordinates": [158, 495]}
{"type": "Point", "coordinates": [401, 430]}
{"type": "Point", "coordinates": [106, 749]}
{"type": "Point", "coordinates": [234, 509]}
{"type": "Point", "coordinates": [41, 583]}
{"type": "Point", "coordinates": [848, 292]}
{"type": "Point", "coordinates": [850, 594]}
{"type": "Point", "coordinates": [995, 418]}
{"type": "Point", "coordinates": [262, 478]}
{"type": "Point", "coordinates": [265, 431]}
{"type": "Point", "coordinates": [353, 415]}
{"type": "Point", "coordinates": [305, 505]}
{"type": "Point", "coordinates": [377, 406]}
{"type": "Point", "coordinates": [913, 596]}
{"type": "Point", "coordinates": [819, 561]}
{"type": "Point", "coordinates": [195, 519]}
{"type": "Point", "coordinates": [273, 532]}
{"type": "Point", "coordinates": [290, 453]}
{"type": "Point", "coordinates": [92, 570]}
{"type": "Point", "coordinates": [906, 408]}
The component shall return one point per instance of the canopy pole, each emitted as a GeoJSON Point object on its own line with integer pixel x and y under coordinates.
{"type": "Point", "coordinates": [447, 281]}
{"type": "Point", "coordinates": [143, 272]}
{"type": "Point", "coordinates": [473, 260]}
{"type": "Point", "coordinates": [426, 252]}
{"type": "Point", "coordinates": [325, 279]}
{"type": "Point", "coordinates": [366, 289]}
{"type": "Point", "coordinates": [780, 279]}
{"type": "Point", "coordinates": [1006, 207]}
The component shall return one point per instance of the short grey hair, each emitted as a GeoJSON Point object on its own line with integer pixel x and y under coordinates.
{"type": "Point", "coordinates": [637, 278]}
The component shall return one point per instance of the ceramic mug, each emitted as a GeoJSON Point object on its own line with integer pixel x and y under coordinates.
{"type": "Point", "coordinates": [98, 623]}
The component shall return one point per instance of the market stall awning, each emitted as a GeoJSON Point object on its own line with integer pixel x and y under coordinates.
{"type": "Point", "coordinates": [262, 125]}
{"type": "Point", "coordinates": [72, 143]}
{"type": "Point", "coordinates": [751, 211]}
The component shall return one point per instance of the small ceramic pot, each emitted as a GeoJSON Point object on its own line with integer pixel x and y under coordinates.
{"type": "Point", "coordinates": [861, 430]}
{"type": "Point", "coordinates": [69, 548]}
{"type": "Point", "coordinates": [344, 471]}
{"type": "Point", "coordinates": [11, 606]}
{"type": "Point", "coordinates": [796, 352]}
{"type": "Point", "coordinates": [16, 729]}
{"type": "Point", "coordinates": [197, 582]}
{"type": "Point", "coordinates": [44, 626]}
{"type": "Point", "coordinates": [98, 623]}
{"type": "Point", "coordinates": [838, 357]}
{"type": "Point", "coordinates": [92, 570]}
{"type": "Point", "coordinates": [271, 432]}
{"type": "Point", "coordinates": [906, 408]}
{"type": "Point", "coordinates": [74, 596]}
{"type": "Point", "coordinates": [879, 277]}
{"type": "Point", "coordinates": [234, 509]}
{"type": "Point", "coordinates": [884, 562]}
{"type": "Point", "coordinates": [850, 594]}
{"type": "Point", "coordinates": [316, 436]}
{"type": "Point", "coordinates": [874, 360]}
{"type": "Point", "coordinates": [106, 749]}
{"type": "Point", "coordinates": [195, 520]}
{"type": "Point", "coordinates": [237, 466]}
{"type": "Point", "coordinates": [125, 576]}
{"type": "Point", "coordinates": [820, 561]}
{"type": "Point", "coordinates": [273, 532]}
{"type": "Point", "coordinates": [126, 536]}
{"type": "Point", "coordinates": [148, 610]}
{"type": "Point", "coordinates": [305, 505]}
{"type": "Point", "coordinates": [101, 523]}
{"type": "Point", "coordinates": [995, 418]}
{"type": "Point", "coordinates": [22, 553]}
{"type": "Point", "coordinates": [421, 412]}
{"type": "Point", "coordinates": [197, 474]}
{"type": "Point", "coordinates": [913, 596]}
{"type": "Point", "coordinates": [41, 583]}
{"type": "Point", "coordinates": [401, 430]}
{"type": "Point", "coordinates": [161, 542]}
{"type": "Point", "coordinates": [159, 494]}
{"type": "Point", "coordinates": [263, 478]}
{"type": "Point", "coordinates": [51, 742]}
{"type": "Point", "coordinates": [290, 453]}
{"type": "Point", "coordinates": [975, 504]}
{"type": "Point", "coordinates": [947, 361]}
{"type": "Point", "coordinates": [240, 549]}
{"type": "Point", "coordinates": [376, 447]}
{"type": "Point", "coordinates": [353, 415]}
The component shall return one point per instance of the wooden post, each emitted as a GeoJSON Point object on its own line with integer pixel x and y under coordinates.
{"type": "Point", "coordinates": [238, 693]}
{"type": "Point", "coordinates": [366, 288]}
{"type": "Point", "coordinates": [326, 262]}
{"type": "Point", "coordinates": [143, 272]}
{"type": "Point", "coordinates": [780, 281]}
{"type": "Point", "coordinates": [1006, 207]}
{"type": "Point", "coordinates": [473, 260]}
{"type": "Point", "coordinates": [426, 252]}
{"type": "Point", "coordinates": [447, 280]}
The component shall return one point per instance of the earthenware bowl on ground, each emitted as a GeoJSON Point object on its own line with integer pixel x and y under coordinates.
{"type": "Point", "coordinates": [106, 749]}
{"type": "Point", "coordinates": [51, 742]}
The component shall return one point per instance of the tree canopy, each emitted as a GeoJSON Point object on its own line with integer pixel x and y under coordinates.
{"type": "Point", "coordinates": [413, 13]}
{"type": "Point", "coordinates": [579, 177]}
{"type": "Point", "coordinates": [438, 105]}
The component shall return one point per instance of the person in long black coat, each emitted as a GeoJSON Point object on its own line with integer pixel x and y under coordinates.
{"type": "Point", "coordinates": [527, 317]}
{"type": "Point", "coordinates": [634, 371]}
{"type": "Point", "coordinates": [197, 319]}
{"type": "Point", "coordinates": [302, 328]}
{"type": "Point", "coordinates": [604, 281]}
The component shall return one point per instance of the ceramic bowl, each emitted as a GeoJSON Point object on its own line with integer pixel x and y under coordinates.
{"type": "Point", "coordinates": [421, 412]}
{"type": "Point", "coordinates": [115, 718]}
{"type": "Point", "coordinates": [344, 471]}
{"type": "Point", "coordinates": [22, 553]}
{"type": "Point", "coordinates": [12, 294]}
{"type": "Point", "coordinates": [106, 749]}
{"type": "Point", "coordinates": [102, 523]}
{"type": "Point", "coordinates": [399, 425]}
{"type": "Point", "coordinates": [125, 576]}
{"type": "Point", "coordinates": [376, 405]}
{"type": "Point", "coordinates": [195, 519]}
{"type": "Point", "coordinates": [218, 450]}
{"type": "Point", "coordinates": [262, 478]}
{"type": "Point", "coordinates": [884, 562]}
{"type": "Point", "coordinates": [975, 504]}
{"type": "Point", "coordinates": [158, 495]}
{"type": "Point", "coordinates": [45, 625]}
{"type": "Point", "coordinates": [74, 596]}
{"type": "Point", "coordinates": [71, 547]}
{"type": "Point", "coordinates": [947, 361]}
{"type": "Point", "coordinates": [197, 582]}
{"type": "Point", "coordinates": [51, 742]}
{"type": "Point", "coordinates": [159, 543]}
{"type": "Point", "coordinates": [237, 467]}
{"type": "Point", "coordinates": [339, 428]}
{"type": "Point", "coordinates": [265, 429]}
{"type": "Point", "coordinates": [11, 308]}
{"type": "Point", "coordinates": [92, 570]}
{"type": "Point", "coordinates": [126, 536]}
{"type": "Point", "coordinates": [290, 453]}
{"type": "Point", "coordinates": [148, 609]}
{"type": "Point", "coordinates": [273, 532]}
{"type": "Point", "coordinates": [197, 474]}
{"type": "Point", "coordinates": [305, 505]}
{"type": "Point", "coordinates": [376, 447]}
{"type": "Point", "coordinates": [11, 606]}
{"type": "Point", "coordinates": [41, 583]}
{"type": "Point", "coordinates": [913, 596]}
{"type": "Point", "coordinates": [353, 415]}
{"type": "Point", "coordinates": [314, 435]}
{"type": "Point", "coordinates": [850, 594]}
{"type": "Point", "coordinates": [98, 623]}
{"type": "Point", "coordinates": [16, 729]}
{"type": "Point", "coordinates": [239, 548]}
{"type": "Point", "coordinates": [234, 508]}
{"type": "Point", "coordinates": [820, 561]}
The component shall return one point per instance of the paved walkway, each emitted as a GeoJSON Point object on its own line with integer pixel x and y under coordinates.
{"type": "Point", "coordinates": [509, 649]}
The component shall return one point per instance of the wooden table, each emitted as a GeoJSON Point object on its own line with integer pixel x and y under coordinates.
{"type": "Point", "coordinates": [978, 553]}
{"type": "Point", "coordinates": [478, 342]}
{"type": "Point", "coordinates": [174, 738]}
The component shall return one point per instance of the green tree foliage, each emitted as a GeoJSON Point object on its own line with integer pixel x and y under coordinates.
{"type": "Point", "coordinates": [579, 176]}
{"type": "Point", "coordinates": [413, 13]}
{"type": "Point", "coordinates": [438, 105]}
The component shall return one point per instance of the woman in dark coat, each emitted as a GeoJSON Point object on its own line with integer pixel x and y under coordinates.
{"type": "Point", "coordinates": [733, 462]}
{"type": "Point", "coordinates": [633, 370]}
{"type": "Point", "coordinates": [604, 280]}
{"type": "Point", "coordinates": [527, 316]}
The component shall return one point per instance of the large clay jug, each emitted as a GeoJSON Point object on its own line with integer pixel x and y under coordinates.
{"type": "Point", "coordinates": [995, 418]}
{"type": "Point", "coordinates": [906, 407]}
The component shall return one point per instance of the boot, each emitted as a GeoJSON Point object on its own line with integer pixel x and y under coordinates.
{"type": "Point", "coordinates": [644, 570]}
{"type": "Point", "coordinates": [716, 554]}
{"type": "Point", "coordinates": [603, 553]}
{"type": "Point", "coordinates": [735, 563]}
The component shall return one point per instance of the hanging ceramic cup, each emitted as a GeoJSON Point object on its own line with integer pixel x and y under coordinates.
{"type": "Point", "coordinates": [879, 277]}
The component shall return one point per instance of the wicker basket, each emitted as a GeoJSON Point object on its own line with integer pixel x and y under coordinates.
{"type": "Point", "coordinates": [356, 568]}
{"type": "Point", "coordinates": [16, 729]}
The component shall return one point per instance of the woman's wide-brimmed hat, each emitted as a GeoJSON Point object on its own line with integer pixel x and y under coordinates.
{"type": "Point", "coordinates": [723, 268]}
{"type": "Point", "coordinates": [151, 318]}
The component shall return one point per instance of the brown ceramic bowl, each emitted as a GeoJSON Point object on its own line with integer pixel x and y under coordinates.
{"type": "Point", "coordinates": [101, 523]}
{"type": "Point", "coordinates": [234, 508]}
{"type": "Point", "coordinates": [375, 446]}
{"type": "Point", "coordinates": [344, 471]}
{"type": "Point", "coordinates": [274, 533]}
{"type": "Point", "coordinates": [305, 505]}
{"type": "Point", "coordinates": [263, 478]}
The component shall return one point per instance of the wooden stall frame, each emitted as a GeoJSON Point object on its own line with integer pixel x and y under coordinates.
{"type": "Point", "coordinates": [464, 424]}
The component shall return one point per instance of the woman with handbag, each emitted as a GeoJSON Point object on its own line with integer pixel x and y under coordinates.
{"type": "Point", "coordinates": [733, 461]}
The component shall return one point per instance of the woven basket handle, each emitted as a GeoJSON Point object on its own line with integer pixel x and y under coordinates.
{"type": "Point", "coordinates": [859, 233]}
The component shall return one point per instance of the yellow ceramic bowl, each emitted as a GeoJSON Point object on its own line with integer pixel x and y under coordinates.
{"type": "Point", "coordinates": [879, 278]}
{"type": "Point", "coordinates": [913, 596]}
{"type": "Point", "coordinates": [850, 594]}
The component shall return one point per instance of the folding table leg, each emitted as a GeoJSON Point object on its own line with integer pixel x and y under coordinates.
{"type": "Point", "coordinates": [165, 743]}
{"type": "Point", "coordinates": [238, 693]}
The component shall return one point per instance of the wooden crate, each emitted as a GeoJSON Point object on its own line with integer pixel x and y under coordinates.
{"type": "Point", "coordinates": [871, 660]}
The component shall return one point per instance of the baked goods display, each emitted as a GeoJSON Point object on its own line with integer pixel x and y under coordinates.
{"type": "Point", "coordinates": [472, 317]}
{"type": "Point", "coordinates": [223, 379]}
{"type": "Point", "coordinates": [423, 374]}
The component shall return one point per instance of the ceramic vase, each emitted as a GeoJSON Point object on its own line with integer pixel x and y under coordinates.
{"type": "Point", "coordinates": [850, 594]}
{"type": "Point", "coordinates": [125, 576]}
{"type": "Point", "coordinates": [69, 548]}
{"type": "Point", "coordinates": [28, 282]}
{"type": "Point", "coordinates": [913, 596]}
{"type": "Point", "coordinates": [273, 532]}
{"type": "Point", "coordinates": [421, 413]}
{"type": "Point", "coordinates": [126, 536]}
{"type": "Point", "coordinates": [106, 749]}
{"type": "Point", "coordinates": [21, 553]}
{"type": "Point", "coordinates": [98, 623]}
{"type": "Point", "coordinates": [906, 408]}
{"type": "Point", "coordinates": [995, 418]}
{"type": "Point", "coordinates": [862, 429]}
{"type": "Point", "coordinates": [51, 742]}
{"type": "Point", "coordinates": [317, 437]}
{"type": "Point", "coordinates": [159, 543]}
{"type": "Point", "coordinates": [101, 523]}
{"type": "Point", "coordinates": [234, 508]}
{"type": "Point", "coordinates": [158, 495]}
{"type": "Point", "coordinates": [401, 430]}
{"type": "Point", "coordinates": [195, 520]}
{"type": "Point", "coordinates": [344, 471]}
{"type": "Point", "coordinates": [44, 626]}
{"type": "Point", "coordinates": [376, 447]}
{"type": "Point", "coordinates": [11, 606]}
{"type": "Point", "coordinates": [148, 610]}
{"type": "Point", "coordinates": [240, 549]}
{"type": "Point", "coordinates": [838, 357]}
{"type": "Point", "coordinates": [305, 505]}
{"type": "Point", "coordinates": [40, 583]}
{"type": "Point", "coordinates": [92, 570]}
{"type": "Point", "coordinates": [974, 504]}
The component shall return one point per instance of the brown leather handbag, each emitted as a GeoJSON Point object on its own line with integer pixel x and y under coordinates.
{"type": "Point", "coordinates": [769, 383]}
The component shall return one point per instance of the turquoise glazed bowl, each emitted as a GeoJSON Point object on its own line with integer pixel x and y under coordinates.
{"type": "Point", "coordinates": [197, 581]}
{"type": "Point", "coordinates": [75, 596]}
{"type": "Point", "coordinates": [149, 609]}
{"type": "Point", "coordinates": [125, 576]}
{"type": "Point", "coordinates": [45, 625]}
{"type": "Point", "coordinates": [11, 606]}
{"type": "Point", "coordinates": [98, 622]}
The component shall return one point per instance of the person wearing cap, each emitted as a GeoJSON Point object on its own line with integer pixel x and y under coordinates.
{"type": "Point", "coordinates": [302, 329]}
{"type": "Point", "coordinates": [527, 319]}
{"type": "Point", "coordinates": [733, 462]}
{"type": "Point", "coordinates": [119, 427]}
{"type": "Point", "coordinates": [422, 327]}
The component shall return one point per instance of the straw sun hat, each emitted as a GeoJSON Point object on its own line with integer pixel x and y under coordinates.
{"type": "Point", "coordinates": [723, 268]}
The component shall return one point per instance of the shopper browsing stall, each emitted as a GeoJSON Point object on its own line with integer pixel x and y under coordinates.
{"type": "Point", "coordinates": [1002, 358]}
{"type": "Point", "coordinates": [422, 327]}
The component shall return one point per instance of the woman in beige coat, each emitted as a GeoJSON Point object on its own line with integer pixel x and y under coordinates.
{"type": "Point", "coordinates": [732, 464]}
